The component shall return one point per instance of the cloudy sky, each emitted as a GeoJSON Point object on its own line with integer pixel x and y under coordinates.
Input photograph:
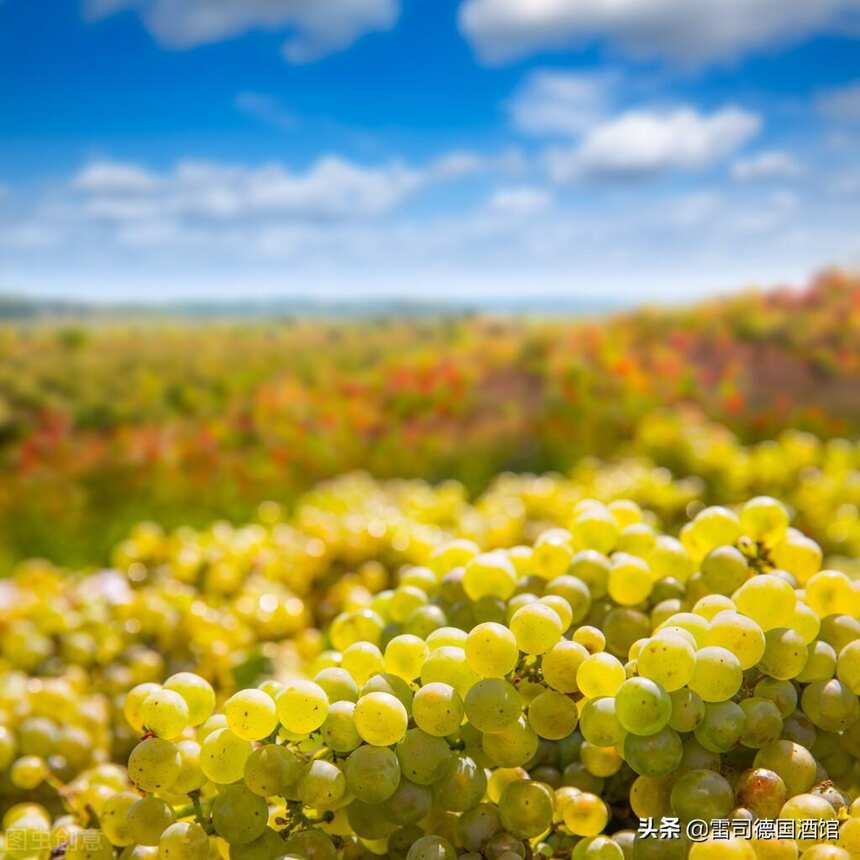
{"type": "Point", "coordinates": [609, 149]}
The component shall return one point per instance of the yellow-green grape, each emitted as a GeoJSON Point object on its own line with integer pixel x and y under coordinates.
{"type": "Point", "coordinates": [600, 675]}
{"type": "Point", "coordinates": [191, 777]}
{"type": "Point", "coordinates": [830, 705]}
{"type": "Point", "coordinates": [712, 604]}
{"type": "Point", "coordinates": [28, 771]}
{"type": "Point", "coordinates": [405, 599]}
{"type": "Point", "coordinates": [714, 848]}
{"type": "Point", "coordinates": [625, 512]}
{"type": "Point", "coordinates": [669, 558]}
{"type": "Point", "coordinates": [807, 807]}
{"type": "Point", "coordinates": [712, 527]}
{"type": "Point", "coordinates": [492, 704]}
{"type": "Point", "coordinates": [552, 715]}
{"type": "Point", "coordinates": [561, 608]}
{"type": "Point", "coordinates": [164, 713]}
{"type": "Point", "coordinates": [561, 664]}
{"type": "Point", "coordinates": [794, 764]}
{"type": "Point", "coordinates": [739, 634]}
{"type": "Point", "coordinates": [338, 684]}
{"type": "Point", "coordinates": [461, 786]}
{"type": "Point", "coordinates": [438, 709]}
{"type": "Point", "coordinates": [701, 793]}
{"type": "Point", "coordinates": [184, 840]}
{"type": "Point", "coordinates": [785, 654]}
{"type": "Point", "coordinates": [599, 724]}
{"type": "Point", "coordinates": [820, 663]}
{"type": "Point", "coordinates": [362, 660]}
{"type": "Point", "coordinates": [154, 765]}
{"type": "Point", "coordinates": [649, 797]}
{"type": "Point", "coordinates": [717, 675]}
{"type": "Point", "coordinates": [552, 553]}
{"type": "Point", "coordinates": [113, 818]}
{"type": "Point", "coordinates": [302, 707]}
{"type": "Point", "coordinates": [694, 625]}
{"type": "Point", "coordinates": [405, 655]}
{"type": "Point", "coordinates": [536, 628]}
{"type": "Point", "coordinates": [216, 721]}
{"type": "Point", "coordinates": [490, 574]}
{"type": "Point", "coordinates": [763, 722]}
{"type": "Point", "coordinates": [197, 693]}
{"type": "Point", "coordinates": [443, 636]}
{"type": "Point", "coordinates": [456, 553]}
{"type": "Point", "coordinates": [360, 625]}
{"type": "Point", "coordinates": [272, 770]}
{"type": "Point", "coordinates": [764, 519]}
{"type": "Point", "coordinates": [391, 684]}
{"type": "Point", "coordinates": [669, 660]}
{"type": "Point", "coordinates": [338, 731]}
{"type": "Point", "coordinates": [500, 778]}
{"type": "Point", "coordinates": [798, 554]}
{"type": "Point", "coordinates": [591, 638]}
{"type": "Point", "coordinates": [147, 818]}
{"type": "Point", "coordinates": [591, 568]}
{"type": "Point", "coordinates": [449, 665]}
{"type": "Point", "coordinates": [585, 814]}
{"type": "Point", "coordinates": [431, 848]}
{"type": "Point", "coordinates": [514, 746]}
{"type": "Point", "coordinates": [848, 666]}
{"type": "Point", "coordinates": [322, 785]}
{"type": "Point", "coordinates": [134, 700]}
{"type": "Point", "coordinates": [373, 773]}
{"type": "Point", "coordinates": [380, 719]}
{"type": "Point", "coordinates": [576, 594]}
{"type": "Point", "coordinates": [491, 650]}
{"type": "Point", "coordinates": [642, 706]}
{"type": "Point", "coordinates": [223, 756]}
{"type": "Point", "coordinates": [830, 592]}
{"type": "Point", "coordinates": [596, 528]}
{"type": "Point", "coordinates": [782, 693]}
{"type": "Point", "coordinates": [688, 710]}
{"type": "Point", "coordinates": [422, 757]}
{"type": "Point", "coordinates": [630, 579]}
{"type": "Point", "coordinates": [722, 726]}
{"type": "Point", "coordinates": [238, 815]}
{"type": "Point", "coordinates": [805, 622]}
{"type": "Point", "coordinates": [724, 570]}
{"type": "Point", "coordinates": [251, 714]}
{"type": "Point", "coordinates": [526, 808]}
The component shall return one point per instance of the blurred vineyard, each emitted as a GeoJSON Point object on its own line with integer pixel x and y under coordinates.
{"type": "Point", "coordinates": [103, 425]}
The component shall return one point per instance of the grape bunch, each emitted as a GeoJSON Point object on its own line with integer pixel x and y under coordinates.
{"type": "Point", "coordinates": [534, 689]}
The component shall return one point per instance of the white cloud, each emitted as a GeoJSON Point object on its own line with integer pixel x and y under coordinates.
{"type": "Point", "coordinates": [520, 202]}
{"type": "Point", "coordinates": [841, 104]}
{"type": "Point", "coordinates": [114, 177]}
{"type": "Point", "coordinates": [316, 27]}
{"type": "Point", "coordinates": [562, 103]}
{"type": "Point", "coordinates": [690, 31]}
{"type": "Point", "coordinates": [640, 143]}
{"type": "Point", "coordinates": [768, 165]}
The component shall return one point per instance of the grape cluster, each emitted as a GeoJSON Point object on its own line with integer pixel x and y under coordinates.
{"type": "Point", "coordinates": [499, 700]}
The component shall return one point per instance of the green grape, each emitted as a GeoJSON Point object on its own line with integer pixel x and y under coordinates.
{"type": "Point", "coordinates": [642, 706]}
{"type": "Point", "coordinates": [600, 675]}
{"type": "Point", "coordinates": [438, 709]}
{"type": "Point", "coordinates": [265, 847]}
{"type": "Point", "coordinates": [302, 707]}
{"type": "Point", "coordinates": [717, 675]}
{"type": "Point", "coordinates": [338, 684]}
{"type": "Point", "coordinates": [820, 664]}
{"type": "Point", "coordinates": [450, 636]}
{"type": "Point", "coordinates": [794, 764]}
{"type": "Point", "coordinates": [373, 773]}
{"type": "Point", "coordinates": [448, 665]}
{"type": "Point", "coordinates": [322, 785]}
{"type": "Point", "coordinates": [667, 660]}
{"type": "Point", "coordinates": [338, 731]}
{"type": "Point", "coordinates": [592, 568]}
{"type": "Point", "coordinates": [164, 713]}
{"type": "Point", "coordinates": [422, 757]}
{"type": "Point", "coordinates": [848, 666]}
{"type": "Point", "coordinates": [701, 794]}
{"type": "Point", "coordinates": [432, 848]}
{"type": "Point", "coordinates": [191, 777]}
{"type": "Point", "coordinates": [782, 693]}
{"type": "Point", "coordinates": [94, 847]}
{"type": "Point", "coordinates": [113, 818]}
{"type": "Point", "coordinates": [804, 807]}
{"type": "Point", "coordinates": [409, 803]}
{"type": "Point", "coordinates": [596, 528]}
{"type": "Point", "coordinates": [767, 599]}
{"type": "Point", "coordinates": [561, 664]}
{"type": "Point", "coordinates": [134, 699]}
{"type": "Point", "coordinates": [830, 705]}
{"type": "Point", "coordinates": [552, 715]}
{"type": "Point", "coordinates": [649, 796]}
{"type": "Point", "coordinates": [391, 684]}
{"type": "Point", "coordinates": [712, 604]}
{"type": "Point", "coordinates": [536, 628]}
{"type": "Point", "coordinates": [490, 574]}
{"type": "Point", "coordinates": [599, 724]}
{"type": "Point", "coordinates": [764, 519]}
{"type": "Point", "coordinates": [738, 634]}
{"type": "Point", "coordinates": [724, 570]}
{"type": "Point", "coordinates": [762, 791]}
{"type": "Point", "coordinates": [622, 626]}
{"type": "Point", "coordinates": [251, 714]}
{"type": "Point", "coordinates": [197, 693]}
{"type": "Point", "coordinates": [654, 755]}
{"type": "Point", "coordinates": [223, 756]}
{"type": "Point", "coordinates": [526, 808]}
{"type": "Point", "coordinates": [184, 840]}
{"type": "Point", "coordinates": [785, 654]}
{"type": "Point", "coordinates": [493, 704]}
{"type": "Point", "coordinates": [461, 786]}
{"type": "Point", "coordinates": [688, 710]}
{"type": "Point", "coordinates": [272, 770]}
{"type": "Point", "coordinates": [146, 819]}
{"type": "Point", "coordinates": [694, 625]}
{"type": "Point", "coordinates": [806, 623]}
{"type": "Point", "coordinates": [722, 726]}
{"type": "Point", "coordinates": [797, 554]}
{"type": "Point", "coordinates": [369, 821]}
{"type": "Point", "coordinates": [668, 557]}
{"type": "Point", "coordinates": [600, 761]}
{"type": "Point", "coordinates": [560, 606]}
{"type": "Point", "coordinates": [405, 655]}
{"type": "Point", "coordinates": [477, 826]}
{"type": "Point", "coordinates": [839, 631]}
{"type": "Point", "coordinates": [154, 765]}
{"type": "Point", "coordinates": [590, 638]}
{"type": "Point", "coordinates": [630, 579]}
{"type": "Point", "coordinates": [763, 722]}
{"type": "Point", "coordinates": [380, 719]}
{"type": "Point", "coordinates": [238, 815]}
{"type": "Point", "coordinates": [361, 660]}
{"type": "Point", "coordinates": [575, 591]}
{"type": "Point", "coordinates": [28, 772]}
{"type": "Point", "coordinates": [585, 814]}
{"type": "Point", "coordinates": [514, 746]}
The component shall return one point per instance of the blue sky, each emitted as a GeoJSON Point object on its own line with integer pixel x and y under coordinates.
{"type": "Point", "coordinates": [633, 150]}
